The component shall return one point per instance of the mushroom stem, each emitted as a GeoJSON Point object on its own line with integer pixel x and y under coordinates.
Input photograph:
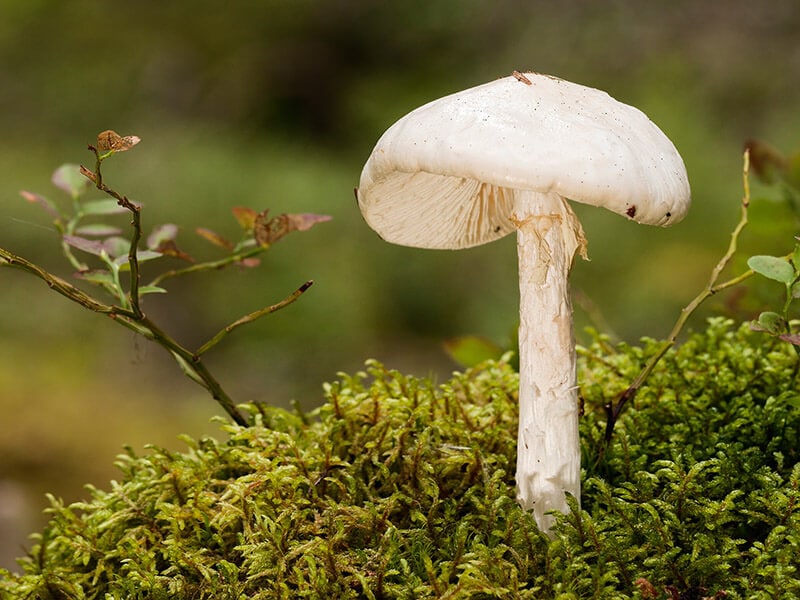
{"type": "Point", "coordinates": [548, 452]}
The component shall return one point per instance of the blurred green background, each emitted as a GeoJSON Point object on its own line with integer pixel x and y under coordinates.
{"type": "Point", "coordinates": [276, 104]}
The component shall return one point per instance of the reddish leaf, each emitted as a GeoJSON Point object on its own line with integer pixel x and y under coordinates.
{"type": "Point", "coordinates": [250, 263]}
{"type": "Point", "coordinates": [41, 201]}
{"type": "Point", "coordinates": [305, 221]}
{"type": "Point", "coordinates": [91, 246]}
{"type": "Point", "coordinates": [246, 217]}
{"type": "Point", "coordinates": [792, 338]}
{"type": "Point", "coordinates": [214, 238]}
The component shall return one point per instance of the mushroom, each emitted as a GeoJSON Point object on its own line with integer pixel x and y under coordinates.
{"type": "Point", "coordinates": [504, 157]}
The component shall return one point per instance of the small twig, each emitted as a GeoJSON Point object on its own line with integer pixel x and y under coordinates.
{"type": "Point", "coordinates": [194, 368]}
{"type": "Point", "coordinates": [61, 286]}
{"type": "Point", "coordinates": [133, 261]}
{"type": "Point", "coordinates": [252, 317]}
{"type": "Point", "coordinates": [209, 265]}
{"type": "Point", "coordinates": [613, 410]}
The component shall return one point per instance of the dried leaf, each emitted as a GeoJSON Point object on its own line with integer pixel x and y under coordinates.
{"type": "Point", "coordinates": [268, 231]}
{"type": "Point", "coordinates": [246, 217]}
{"type": "Point", "coordinates": [169, 248]}
{"type": "Point", "coordinates": [110, 140]}
{"type": "Point", "coordinates": [767, 162]}
{"type": "Point", "coordinates": [69, 178]}
{"type": "Point", "coordinates": [214, 238]}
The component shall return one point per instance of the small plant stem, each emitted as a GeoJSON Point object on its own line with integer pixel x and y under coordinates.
{"type": "Point", "coordinates": [252, 317]}
{"type": "Point", "coordinates": [133, 260]}
{"type": "Point", "coordinates": [61, 286]}
{"type": "Point", "coordinates": [137, 322]}
{"type": "Point", "coordinates": [194, 368]}
{"type": "Point", "coordinates": [712, 287]}
{"type": "Point", "coordinates": [209, 265]}
{"type": "Point", "coordinates": [97, 178]}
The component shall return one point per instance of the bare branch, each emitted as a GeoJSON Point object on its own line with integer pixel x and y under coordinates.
{"type": "Point", "coordinates": [252, 317]}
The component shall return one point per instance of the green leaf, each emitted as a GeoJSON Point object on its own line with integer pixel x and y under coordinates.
{"type": "Point", "coordinates": [161, 235]}
{"type": "Point", "coordinates": [768, 321]}
{"type": "Point", "coordinates": [151, 289]}
{"type": "Point", "coordinates": [117, 246]}
{"type": "Point", "coordinates": [470, 350]}
{"type": "Point", "coordinates": [69, 179]}
{"type": "Point", "coordinates": [793, 401]}
{"type": "Point", "coordinates": [141, 256]}
{"type": "Point", "coordinates": [98, 230]}
{"type": "Point", "coordinates": [98, 277]}
{"type": "Point", "coordinates": [102, 207]}
{"type": "Point", "coordinates": [772, 267]}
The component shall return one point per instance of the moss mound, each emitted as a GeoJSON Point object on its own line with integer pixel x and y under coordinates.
{"type": "Point", "coordinates": [397, 488]}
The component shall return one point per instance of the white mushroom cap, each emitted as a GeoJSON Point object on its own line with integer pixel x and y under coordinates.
{"type": "Point", "coordinates": [443, 175]}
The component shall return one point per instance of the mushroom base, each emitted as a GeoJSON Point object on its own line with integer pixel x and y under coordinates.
{"type": "Point", "coordinates": [548, 451]}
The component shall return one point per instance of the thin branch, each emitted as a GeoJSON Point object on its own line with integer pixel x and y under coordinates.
{"type": "Point", "coordinates": [252, 317]}
{"type": "Point", "coordinates": [133, 261]}
{"type": "Point", "coordinates": [61, 286]}
{"type": "Point", "coordinates": [209, 265]}
{"type": "Point", "coordinates": [613, 410]}
{"type": "Point", "coordinates": [191, 364]}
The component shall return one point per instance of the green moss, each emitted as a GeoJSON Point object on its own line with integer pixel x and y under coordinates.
{"type": "Point", "coordinates": [397, 488]}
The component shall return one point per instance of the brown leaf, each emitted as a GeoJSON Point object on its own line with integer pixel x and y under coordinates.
{"type": "Point", "coordinates": [246, 217]}
{"type": "Point", "coordinates": [767, 162]}
{"type": "Point", "coordinates": [111, 140]}
{"type": "Point", "coordinates": [214, 238]}
{"type": "Point", "coordinates": [169, 248]}
{"type": "Point", "coordinates": [268, 231]}
{"type": "Point", "coordinates": [647, 589]}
